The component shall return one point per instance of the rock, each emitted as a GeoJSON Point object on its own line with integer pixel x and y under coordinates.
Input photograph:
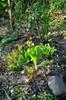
{"type": "Point", "coordinates": [56, 85]}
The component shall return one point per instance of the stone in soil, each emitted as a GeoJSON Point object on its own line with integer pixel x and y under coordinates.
{"type": "Point", "coordinates": [56, 85]}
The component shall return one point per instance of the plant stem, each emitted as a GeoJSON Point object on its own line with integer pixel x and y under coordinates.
{"type": "Point", "coordinates": [35, 67]}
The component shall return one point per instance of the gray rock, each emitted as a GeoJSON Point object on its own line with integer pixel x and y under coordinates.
{"type": "Point", "coordinates": [56, 85]}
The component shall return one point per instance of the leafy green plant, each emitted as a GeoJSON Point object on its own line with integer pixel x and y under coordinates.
{"type": "Point", "coordinates": [38, 18]}
{"type": "Point", "coordinates": [44, 96]}
{"type": "Point", "coordinates": [36, 52]}
{"type": "Point", "coordinates": [15, 59]}
{"type": "Point", "coordinates": [3, 4]}
{"type": "Point", "coordinates": [6, 40]}
{"type": "Point", "coordinates": [46, 64]}
{"type": "Point", "coordinates": [19, 13]}
{"type": "Point", "coordinates": [48, 51]}
{"type": "Point", "coordinates": [9, 38]}
{"type": "Point", "coordinates": [34, 18]}
{"type": "Point", "coordinates": [57, 5]}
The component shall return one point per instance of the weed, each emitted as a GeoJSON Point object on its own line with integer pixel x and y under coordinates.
{"type": "Point", "coordinates": [15, 59]}
{"type": "Point", "coordinates": [48, 50]}
{"type": "Point", "coordinates": [46, 64]}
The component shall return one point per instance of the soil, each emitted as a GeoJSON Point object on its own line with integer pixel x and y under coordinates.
{"type": "Point", "coordinates": [39, 83]}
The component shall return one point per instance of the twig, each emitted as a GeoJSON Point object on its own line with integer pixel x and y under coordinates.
{"type": "Point", "coordinates": [7, 95]}
{"type": "Point", "coordinates": [10, 13]}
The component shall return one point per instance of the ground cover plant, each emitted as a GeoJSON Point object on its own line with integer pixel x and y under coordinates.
{"type": "Point", "coordinates": [33, 50]}
{"type": "Point", "coordinates": [18, 57]}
